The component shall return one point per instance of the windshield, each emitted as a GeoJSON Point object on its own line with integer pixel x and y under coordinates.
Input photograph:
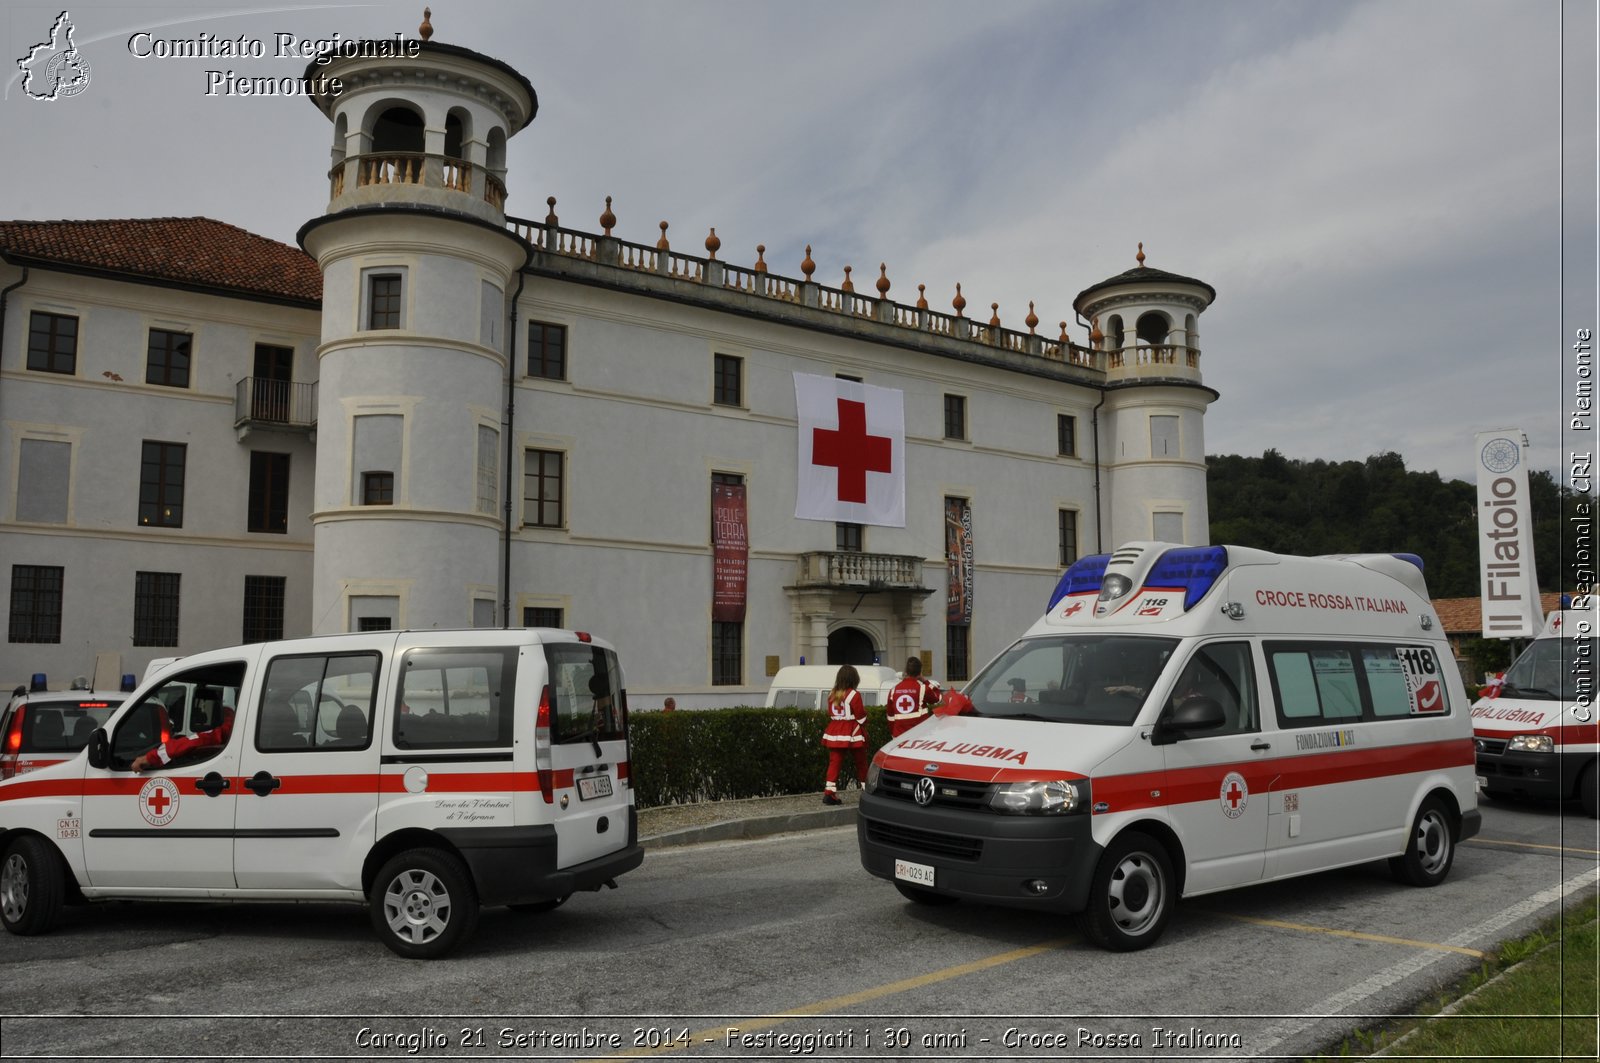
{"type": "Point", "coordinates": [1100, 679]}
{"type": "Point", "coordinates": [1549, 670]}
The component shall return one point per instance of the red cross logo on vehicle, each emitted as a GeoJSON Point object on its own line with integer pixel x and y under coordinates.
{"type": "Point", "coordinates": [850, 450]}
{"type": "Point", "coordinates": [1235, 795]}
{"type": "Point", "coordinates": [158, 802]}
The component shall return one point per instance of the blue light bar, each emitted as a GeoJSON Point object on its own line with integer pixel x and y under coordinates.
{"type": "Point", "coordinates": [1084, 575]}
{"type": "Point", "coordinates": [1192, 569]}
{"type": "Point", "coordinates": [38, 682]}
{"type": "Point", "coordinates": [1414, 559]}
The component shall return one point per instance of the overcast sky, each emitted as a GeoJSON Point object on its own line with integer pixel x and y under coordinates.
{"type": "Point", "coordinates": [1375, 189]}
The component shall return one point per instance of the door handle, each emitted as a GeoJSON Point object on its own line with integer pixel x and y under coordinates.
{"type": "Point", "coordinates": [263, 783]}
{"type": "Point", "coordinates": [212, 784]}
{"type": "Point", "coordinates": [1258, 745]}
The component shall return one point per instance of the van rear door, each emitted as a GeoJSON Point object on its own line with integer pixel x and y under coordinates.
{"type": "Point", "coordinates": [583, 752]}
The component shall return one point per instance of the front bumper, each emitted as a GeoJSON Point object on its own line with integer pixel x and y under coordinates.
{"type": "Point", "coordinates": [982, 856]}
{"type": "Point", "coordinates": [1548, 776]}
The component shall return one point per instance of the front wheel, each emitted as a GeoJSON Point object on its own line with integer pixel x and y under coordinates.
{"type": "Point", "coordinates": [1132, 895]}
{"type": "Point", "coordinates": [32, 886]}
{"type": "Point", "coordinates": [1431, 848]}
{"type": "Point", "coordinates": [423, 903]}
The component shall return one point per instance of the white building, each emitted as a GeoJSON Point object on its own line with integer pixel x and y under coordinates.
{"type": "Point", "coordinates": [439, 415]}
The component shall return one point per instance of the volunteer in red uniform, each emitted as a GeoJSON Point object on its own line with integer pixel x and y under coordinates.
{"type": "Point", "coordinates": [174, 748]}
{"type": "Point", "coordinates": [911, 698]}
{"type": "Point", "coordinates": [847, 729]}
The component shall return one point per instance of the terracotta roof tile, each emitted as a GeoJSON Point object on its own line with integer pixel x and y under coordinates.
{"type": "Point", "coordinates": [197, 252]}
{"type": "Point", "coordinates": [1464, 616]}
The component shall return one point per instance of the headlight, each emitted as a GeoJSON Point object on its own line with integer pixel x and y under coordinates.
{"type": "Point", "coordinates": [1533, 744]}
{"type": "Point", "coordinates": [873, 771]}
{"type": "Point", "coordinates": [1053, 797]}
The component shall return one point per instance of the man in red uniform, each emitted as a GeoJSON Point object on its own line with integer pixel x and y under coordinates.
{"type": "Point", "coordinates": [911, 698]}
{"type": "Point", "coordinates": [173, 748]}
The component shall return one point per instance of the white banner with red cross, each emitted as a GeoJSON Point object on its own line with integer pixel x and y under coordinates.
{"type": "Point", "coordinates": [852, 452]}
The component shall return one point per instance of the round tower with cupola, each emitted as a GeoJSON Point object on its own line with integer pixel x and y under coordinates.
{"type": "Point", "coordinates": [418, 267]}
{"type": "Point", "coordinates": [1145, 323]}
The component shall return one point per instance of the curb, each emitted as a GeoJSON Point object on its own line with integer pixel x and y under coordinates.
{"type": "Point", "coordinates": [753, 827]}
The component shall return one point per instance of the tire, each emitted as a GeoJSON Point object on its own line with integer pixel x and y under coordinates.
{"type": "Point", "coordinates": [923, 895]}
{"type": "Point", "coordinates": [1589, 790]}
{"type": "Point", "coordinates": [1430, 850]}
{"type": "Point", "coordinates": [540, 906]}
{"type": "Point", "coordinates": [32, 886]}
{"type": "Point", "coordinates": [1131, 897]}
{"type": "Point", "coordinates": [423, 903]}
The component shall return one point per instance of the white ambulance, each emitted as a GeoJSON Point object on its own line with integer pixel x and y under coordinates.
{"type": "Point", "coordinates": [425, 774]}
{"type": "Point", "coordinates": [1539, 735]}
{"type": "Point", "coordinates": [1184, 720]}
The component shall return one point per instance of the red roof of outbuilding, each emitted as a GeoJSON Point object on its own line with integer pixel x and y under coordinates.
{"type": "Point", "coordinates": [190, 252]}
{"type": "Point", "coordinates": [1464, 616]}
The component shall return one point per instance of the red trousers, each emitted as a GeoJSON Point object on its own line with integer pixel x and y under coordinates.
{"type": "Point", "coordinates": [836, 758]}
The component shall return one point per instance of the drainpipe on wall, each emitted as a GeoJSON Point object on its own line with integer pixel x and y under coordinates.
{"type": "Point", "coordinates": [511, 420]}
{"type": "Point", "coordinates": [3, 294]}
{"type": "Point", "coordinates": [1094, 428]}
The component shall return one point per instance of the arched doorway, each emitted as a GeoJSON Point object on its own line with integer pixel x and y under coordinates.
{"type": "Point", "coordinates": [850, 645]}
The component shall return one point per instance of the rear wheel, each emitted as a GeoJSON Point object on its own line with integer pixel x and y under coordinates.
{"type": "Point", "coordinates": [32, 886]}
{"type": "Point", "coordinates": [423, 903]}
{"type": "Point", "coordinates": [1431, 848]}
{"type": "Point", "coordinates": [1132, 895]}
{"type": "Point", "coordinates": [923, 895]}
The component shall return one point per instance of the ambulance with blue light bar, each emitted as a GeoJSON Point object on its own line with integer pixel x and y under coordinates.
{"type": "Point", "coordinates": [422, 773]}
{"type": "Point", "coordinates": [1184, 720]}
{"type": "Point", "coordinates": [1538, 735]}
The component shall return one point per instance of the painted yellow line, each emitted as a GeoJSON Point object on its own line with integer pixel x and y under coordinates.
{"type": "Point", "coordinates": [1356, 934]}
{"type": "Point", "coordinates": [1530, 845]}
{"type": "Point", "coordinates": [698, 1039]}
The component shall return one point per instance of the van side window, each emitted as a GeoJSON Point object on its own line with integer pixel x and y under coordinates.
{"type": "Point", "coordinates": [190, 702]}
{"type": "Point", "coordinates": [1328, 683]}
{"type": "Point", "coordinates": [1221, 671]}
{"type": "Point", "coordinates": [318, 702]}
{"type": "Point", "coordinates": [456, 699]}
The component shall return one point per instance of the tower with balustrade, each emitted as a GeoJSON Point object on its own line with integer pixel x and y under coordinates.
{"type": "Point", "coordinates": [417, 268]}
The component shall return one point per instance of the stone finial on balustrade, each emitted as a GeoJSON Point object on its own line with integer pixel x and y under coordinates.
{"type": "Point", "coordinates": [607, 219]}
{"type": "Point", "coordinates": [661, 244]}
{"type": "Point", "coordinates": [994, 319]}
{"type": "Point", "coordinates": [883, 280]}
{"type": "Point", "coordinates": [960, 301]}
{"type": "Point", "coordinates": [1064, 337]}
{"type": "Point", "coordinates": [1140, 255]}
{"type": "Point", "coordinates": [1096, 337]}
{"type": "Point", "coordinates": [551, 219]}
{"type": "Point", "coordinates": [807, 266]}
{"type": "Point", "coordinates": [922, 297]}
{"type": "Point", "coordinates": [1032, 320]}
{"type": "Point", "coordinates": [848, 285]}
{"type": "Point", "coordinates": [761, 258]}
{"type": "Point", "coordinates": [713, 244]}
{"type": "Point", "coordinates": [425, 31]}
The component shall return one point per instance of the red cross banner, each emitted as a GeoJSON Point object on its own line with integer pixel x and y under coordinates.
{"type": "Point", "coordinates": [852, 452]}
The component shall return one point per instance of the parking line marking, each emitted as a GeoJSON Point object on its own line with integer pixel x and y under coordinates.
{"type": "Point", "coordinates": [698, 1039]}
{"type": "Point", "coordinates": [1512, 843]}
{"type": "Point", "coordinates": [1358, 935]}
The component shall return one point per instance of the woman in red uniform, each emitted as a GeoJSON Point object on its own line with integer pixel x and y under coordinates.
{"type": "Point", "coordinates": [847, 729]}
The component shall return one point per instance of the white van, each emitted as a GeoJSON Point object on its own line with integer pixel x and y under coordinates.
{"type": "Point", "coordinates": [422, 773]}
{"type": "Point", "coordinates": [1539, 734]}
{"type": "Point", "coordinates": [1184, 720]}
{"type": "Point", "coordinates": [806, 686]}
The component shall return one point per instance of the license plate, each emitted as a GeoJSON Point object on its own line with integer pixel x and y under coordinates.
{"type": "Point", "coordinates": [906, 871]}
{"type": "Point", "coordinates": [594, 786]}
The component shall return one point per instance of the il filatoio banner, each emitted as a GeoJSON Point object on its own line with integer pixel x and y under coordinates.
{"type": "Point", "coordinates": [1505, 536]}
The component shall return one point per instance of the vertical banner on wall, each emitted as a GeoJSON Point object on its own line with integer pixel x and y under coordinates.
{"type": "Point", "coordinates": [730, 552]}
{"type": "Point", "coordinates": [1505, 537]}
{"type": "Point", "coordinates": [958, 560]}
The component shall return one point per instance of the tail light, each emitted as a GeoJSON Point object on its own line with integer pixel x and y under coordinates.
{"type": "Point", "coordinates": [542, 760]}
{"type": "Point", "coordinates": [13, 743]}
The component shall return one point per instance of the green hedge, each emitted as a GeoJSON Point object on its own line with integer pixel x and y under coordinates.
{"type": "Point", "coordinates": [726, 754]}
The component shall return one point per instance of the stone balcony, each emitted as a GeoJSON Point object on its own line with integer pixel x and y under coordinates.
{"type": "Point", "coordinates": [419, 179]}
{"type": "Point", "coordinates": [853, 570]}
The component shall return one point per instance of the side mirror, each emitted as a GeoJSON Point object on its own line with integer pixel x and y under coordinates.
{"type": "Point", "coordinates": [1194, 714]}
{"type": "Point", "coordinates": [955, 703]}
{"type": "Point", "coordinates": [99, 749]}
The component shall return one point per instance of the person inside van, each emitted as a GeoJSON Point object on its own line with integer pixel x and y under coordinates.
{"type": "Point", "coordinates": [180, 745]}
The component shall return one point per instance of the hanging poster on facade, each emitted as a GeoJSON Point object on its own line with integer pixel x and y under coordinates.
{"type": "Point", "coordinates": [730, 552]}
{"type": "Point", "coordinates": [1505, 537]}
{"type": "Point", "coordinates": [958, 560]}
